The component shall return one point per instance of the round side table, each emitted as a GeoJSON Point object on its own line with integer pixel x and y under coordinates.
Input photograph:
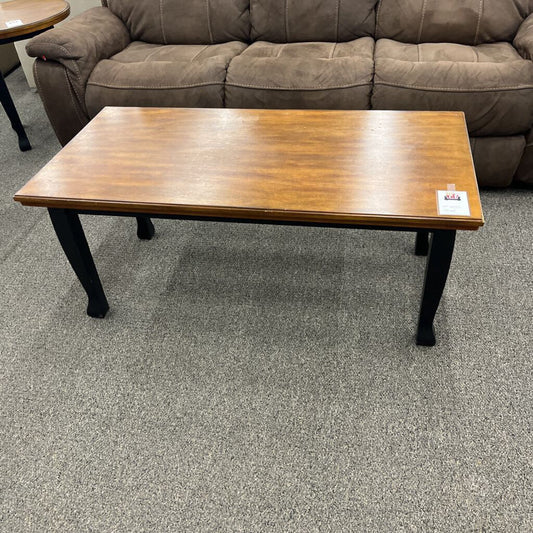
{"type": "Point", "coordinates": [22, 19]}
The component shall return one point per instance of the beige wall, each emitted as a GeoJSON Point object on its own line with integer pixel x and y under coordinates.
{"type": "Point", "coordinates": [76, 7]}
{"type": "Point", "coordinates": [8, 57]}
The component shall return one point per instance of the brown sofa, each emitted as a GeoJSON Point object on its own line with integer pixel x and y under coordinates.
{"type": "Point", "coordinates": [469, 55]}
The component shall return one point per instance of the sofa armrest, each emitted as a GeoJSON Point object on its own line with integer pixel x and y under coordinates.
{"type": "Point", "coordinates": [523, 41]}
{"type": "Point", "coordinates": [80, 43]}
{"type": "Point", "coordinates": [60, 102]}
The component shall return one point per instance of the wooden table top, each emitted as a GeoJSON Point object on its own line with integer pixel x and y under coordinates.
{"type": "Point", "coordinates": [34, 15]}
{"type": "Point", "coordinates": [333, 167]}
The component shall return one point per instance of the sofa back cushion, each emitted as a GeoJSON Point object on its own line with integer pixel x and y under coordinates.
{"type": "Point", "coordinates": [184, 21]}
{"type": "Point", "coordinates": [454, 21]}
{"type": "Point", "coordinates": [286, 21]}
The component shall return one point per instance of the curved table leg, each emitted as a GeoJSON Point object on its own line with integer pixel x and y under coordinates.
{"type": "Point", "coordinates": [72, 238]}
{"type": "Point", "coordinates": [16, 124]}
{"type": "Point", "coordinates": [422, 242]}
{"type": "Point", "coordinates": [145, 228]}
{"type": "Point", "coordinates": [437, 268]}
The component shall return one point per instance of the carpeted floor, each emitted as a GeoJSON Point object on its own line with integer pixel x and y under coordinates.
{"type": "Point", "coordinates": [260, 379]}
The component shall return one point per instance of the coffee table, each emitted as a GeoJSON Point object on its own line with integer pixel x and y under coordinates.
{"type": "Point", "coordinates": [22, 19]}
{"type": "Point", "coordinates": [350, 169]}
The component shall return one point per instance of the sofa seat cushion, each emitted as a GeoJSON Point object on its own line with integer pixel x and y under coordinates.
{"type": "Point", "coordinates": [162, 76]}
{"type": "Point", "coordinates": [491, 83]}
{"type": "Point", "coordinates": [302, 75]}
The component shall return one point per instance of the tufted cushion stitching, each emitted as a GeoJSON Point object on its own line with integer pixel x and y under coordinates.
{"type": "Point", "coordinates": [456, 90]}
{"type": "Point", "coordinates": [281, 48]}
{"type": "Point", "coordinates": [251, 28]}
{"type": "Point", "coordinates": [161, 19]}
{"type": "Point", "coordinates": [520, 61]}
{"type": "Point", "coordinates": [76, 107]}
{"type": "Point", "coordinates": [377, 16]}
{"type": "Point", "coordinates": [480, 16]}
{"type": "Point", "coordinates": [337, 25]}
{"type": "Point", "coordinates": [210, 29]}
{"type": "Point", "coordinates": [198, 53]}
{"type": "Point", "coordinates": [287, 20]}
{"type": "Point", "coordinates": [68, 73]}
{"type": "Point", "coordinates": [317, 88]}
{"type": "Point", "coordinates": [424, 7]}
{"type": "Point", "coordinates": [184, 86]}
{"type": "Point", "coordinates": [151, 54]}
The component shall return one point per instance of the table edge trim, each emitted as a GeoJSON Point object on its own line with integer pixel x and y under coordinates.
{"type": "Point", "coordinates": [440, 222]}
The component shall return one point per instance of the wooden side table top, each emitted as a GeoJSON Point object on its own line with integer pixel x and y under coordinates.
{"type": "Point", "coordinates": [333, 167]}
{"type": "Point", "coordinates": [34, 15]}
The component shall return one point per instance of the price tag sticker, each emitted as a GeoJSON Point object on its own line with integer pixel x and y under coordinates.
{"type": "Point", "coordinates": [453, 203]}
{"type": "Point", "coordinates": [13, 23]}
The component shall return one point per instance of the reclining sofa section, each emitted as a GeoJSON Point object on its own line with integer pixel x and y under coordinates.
{"type": "Point", "coordinates": [474, 56]}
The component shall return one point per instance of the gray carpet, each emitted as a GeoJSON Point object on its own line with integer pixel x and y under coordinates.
{"type": "Point", "coordinates": [260, 379]}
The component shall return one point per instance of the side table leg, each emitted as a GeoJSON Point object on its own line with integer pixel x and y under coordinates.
{"type": "Point", "coordinates": [11, 111]}
{"type": "Point", "coordinates": [422, 242]}
{"type": "Point", "coordinates": [437, 268]}
{"type": "Point", "coordinates": [145, 228]}
{"type": "Point", "coordinates": [72, 239]}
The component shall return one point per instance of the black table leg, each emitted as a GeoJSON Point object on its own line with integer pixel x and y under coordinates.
{"type": "Point", "coordinates": [72, 238]}
{"type": "Point", "coordinates": [16, 124]}
{"type": "Point", "coordinates": [145, 228]}
{"type": "Point", "coordinates": [422, 242]}
{"type": "Point", "coordinates": [438, 265]}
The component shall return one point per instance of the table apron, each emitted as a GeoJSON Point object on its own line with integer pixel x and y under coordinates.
{"type": "Point", "coordinates": [243, 220]}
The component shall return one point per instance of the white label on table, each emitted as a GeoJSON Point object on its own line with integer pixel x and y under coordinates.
{"type": "Point", "coordinates": [453, 203]}
{"type": "Point", "coordinates": [13, 23]}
